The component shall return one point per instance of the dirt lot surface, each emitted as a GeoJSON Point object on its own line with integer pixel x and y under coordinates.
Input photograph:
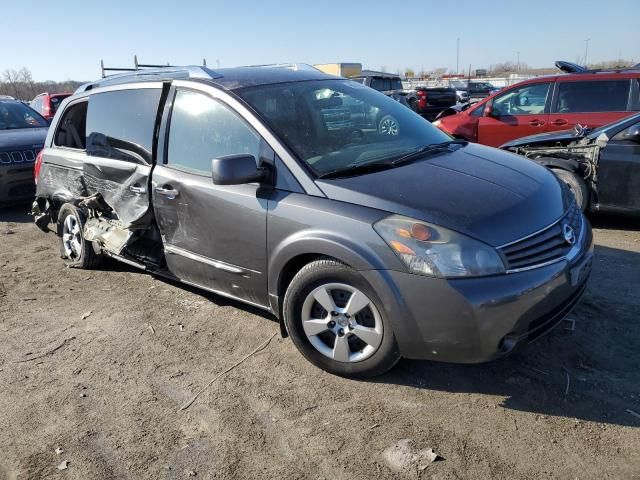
{"type": "Point", "coordinates": [97, 363]}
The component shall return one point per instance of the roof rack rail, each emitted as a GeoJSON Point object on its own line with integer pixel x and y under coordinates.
{"type": "Point", "coordinates": [137, 66]}
{"type": "Point", "coordinates": [147, 72]}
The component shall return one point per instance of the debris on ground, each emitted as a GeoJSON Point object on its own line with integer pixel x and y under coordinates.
{"type": "Point", "coordinates": [86, 315]}
{"type": "Point", "coordinates": [59, 451]}
{"type": "Point", "coordinates": [403, 456]}
{"type": "Point", "coordinates": [63, 465]}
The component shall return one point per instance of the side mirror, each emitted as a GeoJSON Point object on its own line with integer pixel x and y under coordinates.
{"type": "Point", "coordinates": [631, 134]}
{"type": "Point", "coordinates": [235, 170]}
{"type": "Point", "coordinates": [490, 112]}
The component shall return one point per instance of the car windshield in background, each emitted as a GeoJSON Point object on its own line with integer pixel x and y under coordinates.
{"type": "Point", "coordinates": [14, 115]}
{"type": "Point", "coordinates": [339, 124]}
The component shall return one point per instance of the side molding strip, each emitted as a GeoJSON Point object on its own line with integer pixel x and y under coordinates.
{"type": "Point", "coordinates": [208, 261]}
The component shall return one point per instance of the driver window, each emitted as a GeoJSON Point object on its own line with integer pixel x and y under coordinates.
{"type": "Point", "coordinates": [525, 100]}
{"type": "Point", "coordinates": [203, 129]}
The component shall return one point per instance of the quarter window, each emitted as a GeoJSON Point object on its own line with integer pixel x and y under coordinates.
{"type": "Point", "coordinates": [203, 129]}
{"type": "Point", "coordinates": [593, 96]}
{"type": "Point", "coordinates": [71, 132]}
{"type": "Point", "coordinates": [525, 100]}
{"type": "Point", "coordinates": [120, 124]}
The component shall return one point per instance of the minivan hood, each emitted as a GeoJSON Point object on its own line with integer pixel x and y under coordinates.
{"type": "Point", "coordinates": [23, 137]}
{"type": "Point", "coordinates": [489, 194]}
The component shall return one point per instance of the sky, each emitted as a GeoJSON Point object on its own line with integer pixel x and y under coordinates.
{"type": "Point", "coordinates": [67, 39]}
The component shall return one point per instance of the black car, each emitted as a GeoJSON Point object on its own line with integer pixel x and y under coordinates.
{"type": "Point", "coordinates": [601, 166]}
{"type": "Point", "coordinates": [425, 101]}
{"type": "Point", "coordinates": [22, 134]}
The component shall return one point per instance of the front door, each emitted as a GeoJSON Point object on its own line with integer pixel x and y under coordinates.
{"type": "Point", "coordinates": [518, 112]}
{"type": "Point", "coordinates": [214, 236]}
{"type": "Point", "coordinates": [619, 174]}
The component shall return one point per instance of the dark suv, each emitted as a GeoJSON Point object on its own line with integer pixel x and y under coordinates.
{"type": "Point", "coordinates": [367, 244]}
{"type": "Point", "coordinates": [22, 134]}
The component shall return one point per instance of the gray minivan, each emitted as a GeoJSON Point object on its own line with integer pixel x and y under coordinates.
{"type": "Point", "coordinates": [267, 185]}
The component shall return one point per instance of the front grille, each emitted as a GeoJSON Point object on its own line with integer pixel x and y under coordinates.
{"type": "Point", "coordinates": [19, 156]}
{"type": "Point", "coordinates": [543, 247]}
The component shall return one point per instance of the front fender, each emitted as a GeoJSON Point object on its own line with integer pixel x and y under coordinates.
{"type": "Point", "coordinates": [360, 256]}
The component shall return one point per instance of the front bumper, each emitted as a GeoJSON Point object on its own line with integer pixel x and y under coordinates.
{"type": "Point", "coordinates": [479, 319]}
{"type": "Point", "coordinates": [16, 184]}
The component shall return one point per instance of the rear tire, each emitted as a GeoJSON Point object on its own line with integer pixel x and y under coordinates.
{"type": "Point", "coordinates": [360, 343]}
{"type": "Point", "coordinates": [577, 186]}
{"type": "Point", "coordinates": [74, 249]}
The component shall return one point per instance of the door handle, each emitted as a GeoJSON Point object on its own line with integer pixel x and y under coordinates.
{"type": "Point", "coordinates": [170, 193]}
{"type": "Point", "coordinates": [536, 123]}
{"type": "Point", "coordinates": [559, 121]}
{"type": "Point", "coordinates": [137, 189]}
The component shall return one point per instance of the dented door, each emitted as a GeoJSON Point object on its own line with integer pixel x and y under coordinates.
{"type": "Point", "coordinates": [119, 144]}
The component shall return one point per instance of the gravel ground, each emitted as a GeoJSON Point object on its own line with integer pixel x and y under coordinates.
{"type": "Point", "coordinates": [98, 363]}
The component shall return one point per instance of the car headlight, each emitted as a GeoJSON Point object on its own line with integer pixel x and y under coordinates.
{"type": "Point", "coordinates": [436, 123]}
{"type": "Point", "coordinates": [428, 249]}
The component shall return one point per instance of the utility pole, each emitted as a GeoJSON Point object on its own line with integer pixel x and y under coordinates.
{"type": "Point", "coordinates": [518, 61]}
{"type": "Point", "coordinates": [586, 50]}
{"type": "Point", "coordinates": [457, 55]}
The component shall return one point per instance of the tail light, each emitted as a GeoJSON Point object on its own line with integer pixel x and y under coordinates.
{"type": "Point", "coordinates": [36, 167]}
{"type": "Point", "coordinates": [422, 98]}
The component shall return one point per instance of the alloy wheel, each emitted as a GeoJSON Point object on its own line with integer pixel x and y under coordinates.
{"type": "Point", "coordinates": [72, 237]}
{"type": "Point", "coordinates": [341, 322]}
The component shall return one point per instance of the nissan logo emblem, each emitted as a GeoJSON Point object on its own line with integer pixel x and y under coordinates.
{"type": "Point", "coordinates": [569, 234]}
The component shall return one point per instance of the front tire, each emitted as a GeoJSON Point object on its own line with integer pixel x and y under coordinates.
{"type": "Point", "coordinates": [577, 186]}
{"type": "Point", "coordinates": [74, 249]}
{"type": "Point", "coordinates": [335, 319]}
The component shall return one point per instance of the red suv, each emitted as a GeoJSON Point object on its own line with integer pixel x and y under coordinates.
{"type": "Point", "coordinates": [46, 104]}
{"type": "Point", "coordinates": [545, 104]}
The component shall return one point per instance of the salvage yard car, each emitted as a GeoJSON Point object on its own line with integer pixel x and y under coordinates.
{"type": "Point", "coordinates": [548, 104]}
{"type": "Point", "coordinates": [367, 245]}
{"type": "Point", "coordinates": [600, 166]}
{"type": "Point", "coordinates": [22, 134]}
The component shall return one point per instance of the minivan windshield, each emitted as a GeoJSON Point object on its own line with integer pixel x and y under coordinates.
{"type": "Point", "coordinates": [340, 124]}
{"type": "Point", "coordinates": [14, 115]}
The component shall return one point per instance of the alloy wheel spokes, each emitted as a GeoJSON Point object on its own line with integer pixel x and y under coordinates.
{"type": "Point", "coordinates": [333, 327]}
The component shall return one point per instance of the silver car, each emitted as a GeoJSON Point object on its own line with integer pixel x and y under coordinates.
{"type": "Point", "coordinates": [367, 244]}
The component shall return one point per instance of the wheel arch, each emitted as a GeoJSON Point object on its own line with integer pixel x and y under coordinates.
{"type": "Point", "coordinates": [294, 253]}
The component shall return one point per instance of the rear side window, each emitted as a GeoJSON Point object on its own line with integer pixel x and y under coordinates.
{"type": "Point", "coordinates": [71, 131]}
{"type": "Point", "coordinates": [381, 84]}
{"type": "Point", "coordinates": [593, 96]}
{"type": "Point", "coordinates": [202, 129]}
{"type": "Point", "coordinates": [120, 124]}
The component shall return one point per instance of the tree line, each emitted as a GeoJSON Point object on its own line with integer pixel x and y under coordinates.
{"type": "Point", "coordinates": [20, 85]}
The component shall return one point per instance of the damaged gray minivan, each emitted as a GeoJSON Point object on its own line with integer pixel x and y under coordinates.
{"type": "Point", "coordinates": [368, 232]}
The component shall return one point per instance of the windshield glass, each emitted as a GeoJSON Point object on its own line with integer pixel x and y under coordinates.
{"type": "Point", "coordinates": [15, 115]}
{"type": "Point", "coordinates": [334, 124]}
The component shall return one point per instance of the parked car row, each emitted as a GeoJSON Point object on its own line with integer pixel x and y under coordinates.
{"type": "Point", "coordinates": [426, 101]}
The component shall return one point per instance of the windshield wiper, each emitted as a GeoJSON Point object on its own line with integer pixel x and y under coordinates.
{"type": "Point", "coordinates": [431, 148]}
{"type": "Point", "coordinates": [357, 169]}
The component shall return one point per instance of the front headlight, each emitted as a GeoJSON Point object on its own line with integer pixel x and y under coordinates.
{"type": "Point", "coordinates": [428, 249]}
{"type": "Point", "coordinates": [436, 123]}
